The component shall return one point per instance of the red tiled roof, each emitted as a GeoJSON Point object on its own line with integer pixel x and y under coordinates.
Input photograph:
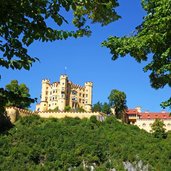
{"type": "Point", "coordinates": [155, 115]}
{"type": "Point", "coordinates": [132, 111]}
{"type": "Point", "coordinates": [149, 115]}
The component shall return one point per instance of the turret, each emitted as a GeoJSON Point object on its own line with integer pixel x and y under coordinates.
{"type": "Point", "coordinates": [88, 96]}
{"type": "Point", "coordinates": [63, 91]}
{"type": "Point", "coordinates": [44, 95]}
{"type": "Point", "coordinates": [138, 108]}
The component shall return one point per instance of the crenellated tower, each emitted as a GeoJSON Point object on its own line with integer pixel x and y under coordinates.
{"type": "Point", "coordinates": [44, 95]}
{"type": "Point", "coordinates": [88, 96]}
{"type": "Point", "coordinates": [63, 92]}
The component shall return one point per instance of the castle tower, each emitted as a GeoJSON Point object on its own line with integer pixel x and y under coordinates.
{"type": "Point", "coordinates": [44, 95]}
{"type": "Point", "coordinates": [63, 92]}
{"type": "Point", "coordinates": [88, 96]}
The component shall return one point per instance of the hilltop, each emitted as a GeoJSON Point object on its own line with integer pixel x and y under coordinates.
{"type": "Point", "coordinates": [51, 144]}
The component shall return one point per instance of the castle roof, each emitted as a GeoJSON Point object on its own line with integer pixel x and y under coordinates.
{"type": "Point", "coordinates": [149, 115]}
{"type": "Point", "coordinates": [155, 115]}
{"type": "Point", "coordinates": [132, 112]}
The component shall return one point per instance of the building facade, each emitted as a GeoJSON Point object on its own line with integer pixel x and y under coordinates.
{"type": "Point", "coordinates": [65, 93]}
{"type": "Point", "coordinates": [144, 120]}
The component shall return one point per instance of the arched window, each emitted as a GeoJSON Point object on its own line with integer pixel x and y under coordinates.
{"type": "Point", "coordinates": [74, 92]}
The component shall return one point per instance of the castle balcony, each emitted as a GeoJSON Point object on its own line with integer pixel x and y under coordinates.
{"type": "Point", "coordinates": [132, 117]}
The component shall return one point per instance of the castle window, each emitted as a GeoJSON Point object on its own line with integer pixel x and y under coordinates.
{"type": "Point", "coordinates": [86, 95]}
{"type": "Point", "coordinates": [73, 98]}
{"type": "Point", "coordinates": [44, 104]}
{"type": "Point", "coordinates": [80, 94]}
{"type": "Point", "coordinates": [46, 92]}
{"type": "Point", "coordinates": [79, 100]}
{"type": "Point", "coordinates": [83, 95]}
{"type": "Point", "coordinates": [143, 124]}
{"type": "Point", "coordinates": [74, 92]}
{"type": "Point", "coordinates": [53, 91]}
{"type": "Point", "coordinates": [49, 105]}
{"type": "Point", "coordinates": [86, 102]}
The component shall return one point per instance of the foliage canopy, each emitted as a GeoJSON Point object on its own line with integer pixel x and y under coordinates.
{"type": "Point", "coordinates": [97, 107]}
{"type": "Point", "coordinates": [117, 100]}
{"type": "Point", "coordinates": [21, 98]}
{"type": "Point", "coordinates": [23, 22]}
{"type": "Point", "coordinates": [158, 129]}
{"type": "Point", "coordinates": [50, 144]}
{"type": "Point", "coordinates": [151, 38]}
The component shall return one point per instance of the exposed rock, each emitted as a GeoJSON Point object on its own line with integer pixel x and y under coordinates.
{"type": "Point", "coordinates": [135, 167]}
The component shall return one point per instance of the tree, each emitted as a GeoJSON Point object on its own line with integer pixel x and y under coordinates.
{"type": "Point", "coordinates": [67, 108]}
{"type": "Point", "coordinates": [97, 107]}
{"type": "Point", "coordinates": [152, 37]}
{"type": "Point", "coordinates": [23, 22]}
{"type": "Point", "coordinates": [158, 129]}
{"type": "Point", "coordinates": [106, 108]}
{"type": "Point", "coordinates": [19, 96]}
{"type": "Point", "coordinates": [80, 109]}
{"type": "Point", "coordinates": [117, 100]}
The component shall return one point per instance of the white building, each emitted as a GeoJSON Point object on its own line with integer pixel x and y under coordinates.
{"type": "Point", "coordinates": [144, 120]}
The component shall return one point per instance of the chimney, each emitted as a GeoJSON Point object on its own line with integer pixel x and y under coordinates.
{"type": "Point", "coordinates": [138, 108]}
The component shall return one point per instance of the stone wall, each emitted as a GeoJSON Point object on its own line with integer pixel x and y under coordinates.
{"type": "Point", "coordinates": [60, 115]}
{"type": "Point", "coordinates": [14, 113]}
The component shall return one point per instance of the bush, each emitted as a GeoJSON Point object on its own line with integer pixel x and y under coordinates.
{"type": "Point", "coordinates": [59, 144]}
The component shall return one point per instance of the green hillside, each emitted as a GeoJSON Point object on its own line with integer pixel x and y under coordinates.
{"type": "Point", "coordinates": [50, 144]}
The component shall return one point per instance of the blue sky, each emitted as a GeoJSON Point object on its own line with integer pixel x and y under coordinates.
{"type": "Point", "coordinates": [86, 60]}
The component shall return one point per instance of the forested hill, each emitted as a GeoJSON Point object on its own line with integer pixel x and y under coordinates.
{"type": "Point", "coordinates": [50, 144]}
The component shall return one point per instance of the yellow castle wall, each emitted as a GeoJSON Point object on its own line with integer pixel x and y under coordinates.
{"type": "Point", "coordinates": [13, 113]}
{"type": "Point", "coordinates": [146, 124]}
{"type": "Point", "coordinates": [60, 115]}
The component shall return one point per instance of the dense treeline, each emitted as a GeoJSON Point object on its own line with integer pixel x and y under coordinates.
{"type": "Point", "coordinates": [51, 144]}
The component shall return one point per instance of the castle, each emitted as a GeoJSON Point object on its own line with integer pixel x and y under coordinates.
{"type": "Point", "coordinates": [144, 120]}
{"type": "Point", "coordinates": [64, 93]}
